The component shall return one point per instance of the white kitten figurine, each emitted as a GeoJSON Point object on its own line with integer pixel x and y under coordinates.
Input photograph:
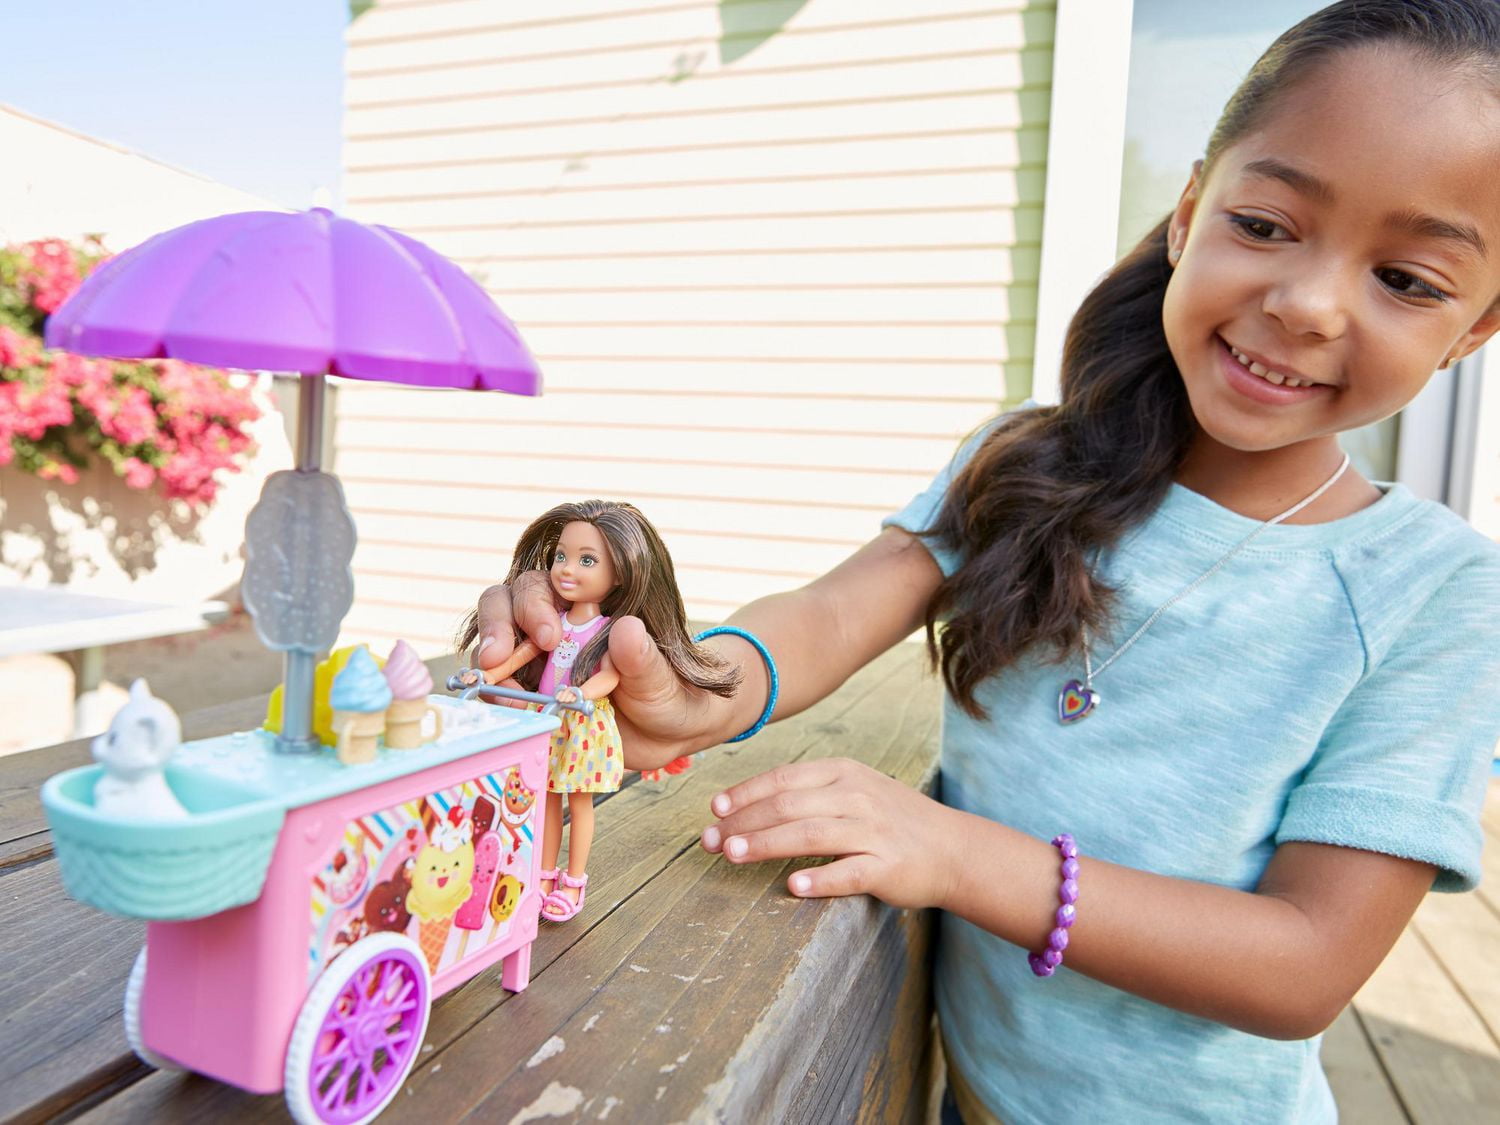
{"type": "Point", "coordinates": [140, 740]}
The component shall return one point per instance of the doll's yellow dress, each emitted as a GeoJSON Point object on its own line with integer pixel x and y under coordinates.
{"type": "Point", "coordinates": [586, 754]}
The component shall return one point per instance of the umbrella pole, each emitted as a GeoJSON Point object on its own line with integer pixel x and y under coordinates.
{"type": "Point", "coordinates": [298, 666]}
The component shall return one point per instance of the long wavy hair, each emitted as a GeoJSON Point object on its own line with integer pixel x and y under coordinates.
{"type": "Point", "coordinates": [1050, 488]}
{"type": "Point", "coordinates": [645, 587]}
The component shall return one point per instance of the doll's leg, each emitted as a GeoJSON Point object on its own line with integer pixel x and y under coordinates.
{"type": "Point", "coordinates": [551, 838]}
{"type": "Point", "coordinates": [580, 837]}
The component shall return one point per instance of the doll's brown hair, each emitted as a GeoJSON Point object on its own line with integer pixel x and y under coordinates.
{"type": "Point", "coordinates": [645, 587]}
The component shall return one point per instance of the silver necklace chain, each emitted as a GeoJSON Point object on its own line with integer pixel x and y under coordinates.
{"type": "Point", "coordinates": [1089, 672]}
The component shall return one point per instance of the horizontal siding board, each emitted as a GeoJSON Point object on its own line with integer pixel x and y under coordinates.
{"type": "Point", "coordinates": [948, 305]}
{"type": "Point", "coordinates": [1000, 110]}
{"type": "Point", "coordinates": [682, 42]}
{"type": "Point", "coordinates": [486, 513]}
{"type": "Point", "coordinates": [977, 66]}
{"type": "Point", "coordinates": [628, 412]}
{"type": "Point", "coordinates": [872, 265]}
{"type": "Point", "coordinates": [883, 151]}
{"type": "Point", "coordinates": [954, 227]}
{"type": "Point", "coordinates": [921, 343]}
{"type": "Point", "coordinates": [610, 20]}
{"type": "Point", "coordinates": [627, 476]}
{"type": "Point", "coordinates": [685, 449]}
{"type": "Point", "coordinates": [993, 188]}
{"type": "Point", "coordinates": [791, 560]}
{"type": "Point", "coordinates": [686, 382]}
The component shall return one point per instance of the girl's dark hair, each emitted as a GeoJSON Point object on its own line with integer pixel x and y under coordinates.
{"type": "Point", "coordinates": [1050, 488]}
{"type": "Point", "coordinates": [645, 587]}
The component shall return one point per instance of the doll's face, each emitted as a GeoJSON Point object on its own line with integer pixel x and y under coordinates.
{"type": "Point", "coordinates": [581, 566]}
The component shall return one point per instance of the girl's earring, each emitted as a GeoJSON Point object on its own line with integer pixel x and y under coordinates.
{"type": "Point", "coordinates": [1447, 363]}
{"type": "Point", "coordinates": [1173, 254]}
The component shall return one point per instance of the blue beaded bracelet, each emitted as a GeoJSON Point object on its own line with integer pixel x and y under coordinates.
{"type": "Point", "coordinates": [765, 654]}
{"type": "Point", "coordinates": [1045, 963]}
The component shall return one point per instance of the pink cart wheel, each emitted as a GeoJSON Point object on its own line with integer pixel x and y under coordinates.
{"type": "Point", "coordinates": [358, 1033]}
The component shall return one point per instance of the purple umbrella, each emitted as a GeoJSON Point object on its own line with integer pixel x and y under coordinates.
{"type": "Point", "coordinates": [311, 293]}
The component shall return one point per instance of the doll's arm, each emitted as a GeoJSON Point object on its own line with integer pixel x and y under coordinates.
{"type": "Point", "coordinates": [602, 682]}
{"type": "Point", "coordinates": [525, 653]}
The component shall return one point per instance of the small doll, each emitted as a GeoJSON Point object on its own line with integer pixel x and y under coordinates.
{"type": "Point", "coordinates": [605, 561]}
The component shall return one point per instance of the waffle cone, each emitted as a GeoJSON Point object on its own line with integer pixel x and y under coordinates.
{"type": "Point", "coordinates": [358, 732]}
{"type": "Point", "coordinates": [433, 936]}
{"type": "Point", "coordinates": [403, 723]}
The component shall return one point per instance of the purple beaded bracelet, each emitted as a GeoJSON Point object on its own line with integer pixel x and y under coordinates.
{"type": "Point", "coordinates": [1045, 963]}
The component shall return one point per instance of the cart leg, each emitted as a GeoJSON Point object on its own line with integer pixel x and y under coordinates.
{"type": "Point", "coordinates": [515, 971]}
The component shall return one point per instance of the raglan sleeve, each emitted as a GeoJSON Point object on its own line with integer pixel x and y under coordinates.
{"type": "Point", "coordinates": [921, 512]}
{"type": "Point", "coordinates": [1404, 765]}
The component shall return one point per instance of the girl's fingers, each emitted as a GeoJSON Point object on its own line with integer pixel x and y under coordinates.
{"type": "Point", "coordinates": [818, 836]}
{"type": "Point", "coordinates": [534, 608]}
{"type": "Point", "coordinates": [852, 875]}
{"type": "Point", "coordinates": [784, 807]}
{"type": "Point", "coordinates": [798, 775]}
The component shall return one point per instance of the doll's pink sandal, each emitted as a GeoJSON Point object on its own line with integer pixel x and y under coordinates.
{"type": "Point", "coordinates": [565, 906]}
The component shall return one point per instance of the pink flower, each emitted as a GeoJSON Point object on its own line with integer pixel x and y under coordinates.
{"type": "Point", "coordinates": [138, 474]}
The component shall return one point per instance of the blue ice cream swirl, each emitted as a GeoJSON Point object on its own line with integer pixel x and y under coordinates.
{"type": "Point", "coordinates": [360, 686]}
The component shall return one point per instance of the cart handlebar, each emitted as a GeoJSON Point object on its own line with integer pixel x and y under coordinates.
{"type": "Point", "coordinates": [469, 682]}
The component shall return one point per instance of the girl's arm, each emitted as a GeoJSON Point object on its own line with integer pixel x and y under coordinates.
{"type": "Point", "coordinates": [819, 635]}
{"type": "Point", "coordinates": [1281, 962]}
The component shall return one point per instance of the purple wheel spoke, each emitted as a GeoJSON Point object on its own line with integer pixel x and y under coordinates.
{"type": "Point", "coordinates": [375, 1020]}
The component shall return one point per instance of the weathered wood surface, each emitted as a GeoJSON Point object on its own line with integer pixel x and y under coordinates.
{"type": "Point", "coordinates": [691, 989]}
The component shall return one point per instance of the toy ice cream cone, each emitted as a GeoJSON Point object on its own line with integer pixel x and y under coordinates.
{"type": "Point", "coordinates": [433, 937]}
{"type": "Point", "coordinates": [358, 735]}
{"type": "Point", "coordinates": [359, 699]}
{"type": "Point", "coordinates": [409, 681]}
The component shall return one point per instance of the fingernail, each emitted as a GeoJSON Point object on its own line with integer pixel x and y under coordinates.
{"type": "Point", "coordinates": [737, 847]}
{"type": "Point", "coordinates": [711, 839]}
{"type": "Point", "coordinates": [801, 884]}
{"type": "Point", "coordinates": [721, 804]}
{"type": "Point", "coordinates": [485, 643]}
{"type": "Point", "coordinates": [544, 634]}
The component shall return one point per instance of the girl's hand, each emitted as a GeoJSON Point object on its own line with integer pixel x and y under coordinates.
{"type": "Point", "coordinates": [659, 718]}
{"type": "Point", "coordinates": [890, 841]}
{"type": "Point", "coordinates": [566, 695]}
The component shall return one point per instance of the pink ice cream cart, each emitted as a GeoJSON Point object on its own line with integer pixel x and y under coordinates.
{"type": "Point", "coordinates": [304, 913]}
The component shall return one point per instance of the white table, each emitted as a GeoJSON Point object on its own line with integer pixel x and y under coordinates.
{"type": "Point", "coordinates": [40, 619]}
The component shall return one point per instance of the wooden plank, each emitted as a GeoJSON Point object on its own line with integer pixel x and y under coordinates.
{"type": "Point", "coordinates": [1360, 1086]}
{"type": "Point", "coordinates": [1442, 1060]}
{"type": "Point", "coordinates": [62, 984]}
{"type": "Point", "coordinates": [1463, 933]}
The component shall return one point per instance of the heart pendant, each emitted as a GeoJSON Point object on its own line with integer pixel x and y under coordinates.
{"type": "Point", "coordinates": [1075, 702]}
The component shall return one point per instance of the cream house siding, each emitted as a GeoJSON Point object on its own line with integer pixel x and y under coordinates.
{"type": "Point", "coordinates": [774, 257]}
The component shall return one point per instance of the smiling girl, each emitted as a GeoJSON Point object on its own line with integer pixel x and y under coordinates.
{"type": "Point", "coordinates": [1219, 710]}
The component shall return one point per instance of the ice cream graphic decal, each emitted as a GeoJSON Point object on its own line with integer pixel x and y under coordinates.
{"type": "Point", "coordinates": [441, 881]}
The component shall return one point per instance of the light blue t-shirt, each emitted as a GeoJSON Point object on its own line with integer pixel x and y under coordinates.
{"type": "Point", "coordinates": [1333, 683]}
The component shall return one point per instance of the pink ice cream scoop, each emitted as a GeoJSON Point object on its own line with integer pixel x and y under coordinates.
{"type": "Point", "coordinates": [407, 676]}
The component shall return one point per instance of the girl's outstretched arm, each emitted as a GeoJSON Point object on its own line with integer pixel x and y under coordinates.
{"type": "Point", "coordinates": [1281, 962]}
{"type": "Point", "coordinates": [819, 635]}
